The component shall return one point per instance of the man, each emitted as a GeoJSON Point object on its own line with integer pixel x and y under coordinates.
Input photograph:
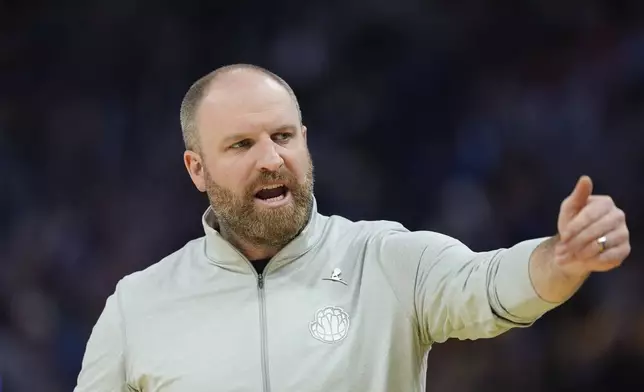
{"type": "Point", "coordinates": [277, 296]}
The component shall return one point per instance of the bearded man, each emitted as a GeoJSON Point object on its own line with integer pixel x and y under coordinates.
{"type": "Point", "coordinates": [277, 296]}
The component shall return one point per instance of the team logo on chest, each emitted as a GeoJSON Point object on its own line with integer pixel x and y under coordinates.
{"type": "Point", "coordinates": [331, 324]}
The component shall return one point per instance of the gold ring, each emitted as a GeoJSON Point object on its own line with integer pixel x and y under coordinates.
{"type": "Point", "coordinates": [601, 241]}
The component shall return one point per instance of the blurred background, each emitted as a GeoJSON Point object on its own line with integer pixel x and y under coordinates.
{"type": "Point", "coordinates": [466, 117]}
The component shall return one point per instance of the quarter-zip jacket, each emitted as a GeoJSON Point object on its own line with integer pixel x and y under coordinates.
{"type": "Point", "coordinates": [345, 307]}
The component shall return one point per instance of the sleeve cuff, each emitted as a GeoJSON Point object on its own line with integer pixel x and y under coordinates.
{"type": "Point", "coordinates": [514, 297]}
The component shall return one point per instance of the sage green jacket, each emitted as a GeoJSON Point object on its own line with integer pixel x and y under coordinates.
{"type": "Point", "coordinates": [345, 307]}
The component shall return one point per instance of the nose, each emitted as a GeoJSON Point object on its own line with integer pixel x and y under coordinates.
{"type": "Point", "coordinates": [268, 157]}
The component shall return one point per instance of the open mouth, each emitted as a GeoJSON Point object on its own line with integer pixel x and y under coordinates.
{"type": "Point", "coordinates": [272, 193]}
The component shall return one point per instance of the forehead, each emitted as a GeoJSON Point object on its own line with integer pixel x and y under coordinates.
{"type": "Point", "coordinates": [245, 102]}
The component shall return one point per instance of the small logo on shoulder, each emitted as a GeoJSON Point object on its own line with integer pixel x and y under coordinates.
{"type": "Point", "coordinates": [331, 325]}
{"type": "Point", "coordinates": [336, 276]}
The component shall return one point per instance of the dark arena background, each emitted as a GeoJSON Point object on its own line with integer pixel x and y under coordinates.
{"type": "Point", "coordinates": [473, 118]}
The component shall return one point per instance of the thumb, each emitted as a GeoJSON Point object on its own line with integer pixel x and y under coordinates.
{"type": "Point", "coordinates": [576, 200]}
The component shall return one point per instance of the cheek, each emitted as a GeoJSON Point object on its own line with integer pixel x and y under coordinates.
{"type": "Point", "coordinates": [233, 177]}
{"type": "Point", "coordinates": [301, 167]}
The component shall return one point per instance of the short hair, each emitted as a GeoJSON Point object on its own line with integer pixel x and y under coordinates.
{"type": "Point", "coordinates": [198, 90]}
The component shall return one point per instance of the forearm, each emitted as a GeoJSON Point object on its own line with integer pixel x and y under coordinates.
{"type": "Point", "coordinates": [548, 280]}
{"type": "Point", "coordinates": [512, 293]}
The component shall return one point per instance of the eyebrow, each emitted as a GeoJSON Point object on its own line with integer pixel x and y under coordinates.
{"type": "Point", "coordinates": [242, 136]}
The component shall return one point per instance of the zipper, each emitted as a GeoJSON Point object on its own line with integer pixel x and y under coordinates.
{"type": "Point", "coordinates": [264, 337]}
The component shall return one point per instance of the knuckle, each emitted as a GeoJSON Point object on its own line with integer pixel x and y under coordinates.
{"type": "Point", "coordinates": [600, 199]}
{"type": "Point", "coordinates": [607, 202]}
{"type": "Point", "coordinates": [596, 213]}
{"type": "Point", "coordinates": [621, 215]}
{"type": "Point", "coordinates": [617, 217]}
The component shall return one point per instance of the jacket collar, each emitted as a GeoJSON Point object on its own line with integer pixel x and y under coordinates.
{"type": "Point", "coordinates": [223, 254]}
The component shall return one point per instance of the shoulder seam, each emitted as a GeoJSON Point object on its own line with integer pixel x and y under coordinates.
{"type": "Point", "coordinates": [409, 314]}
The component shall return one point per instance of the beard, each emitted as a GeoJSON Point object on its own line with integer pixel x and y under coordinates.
{"type": "Point", "coordinates": [268, 227]}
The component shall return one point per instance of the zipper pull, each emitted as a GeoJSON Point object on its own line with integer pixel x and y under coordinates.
{"type": "Point", "coordinates": [260, 280]}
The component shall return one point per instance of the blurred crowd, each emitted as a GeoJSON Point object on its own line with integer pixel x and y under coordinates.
{"type": "Point", "coordinates": [470, 118]}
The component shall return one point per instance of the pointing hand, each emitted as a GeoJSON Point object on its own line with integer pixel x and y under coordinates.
{"type": "Point", "coordinates": [593, 235]}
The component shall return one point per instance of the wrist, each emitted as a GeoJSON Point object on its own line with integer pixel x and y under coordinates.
{"type": "Point", "coordinates": [562, 267]}
{"type": "Point", "coordinates": [567, 273]}
{"type": "Point", "coordinates": [553, 281]}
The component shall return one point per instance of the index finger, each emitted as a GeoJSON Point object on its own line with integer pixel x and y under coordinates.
{"type": "Point", "coordinates": [594, 211]}
{"type": "Point", "coordinates": [576, 201]}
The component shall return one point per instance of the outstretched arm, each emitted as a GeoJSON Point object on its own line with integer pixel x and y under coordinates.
{"type": "Point", "coordinates": [454, 292]}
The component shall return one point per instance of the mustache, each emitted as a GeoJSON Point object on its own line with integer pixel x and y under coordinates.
{"type": "Point", "coordinates": [266, 177]}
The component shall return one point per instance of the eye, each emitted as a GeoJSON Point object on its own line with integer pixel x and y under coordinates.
{"type": "Point", "coordinates": [240, 144]}
{"type": "Point", "coordinates": [282, 136]}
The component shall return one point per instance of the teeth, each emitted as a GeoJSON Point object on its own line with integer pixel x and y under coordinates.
{"type": "Point", "coordinates": [272, 186]}
{"type": "Point", "coordinates": [274, 199]}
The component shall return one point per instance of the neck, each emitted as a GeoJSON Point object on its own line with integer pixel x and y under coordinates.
{"type": "Point", "coordinates": [249, 250]}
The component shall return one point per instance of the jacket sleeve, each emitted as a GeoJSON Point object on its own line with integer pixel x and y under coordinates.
{"type": "Point", "coordinates": [103, 366]}
{"type": "Point", "coordinates": [454, 292]}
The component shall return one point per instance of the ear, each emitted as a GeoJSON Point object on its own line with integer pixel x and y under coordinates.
{"type": "Point", "coordinates": [195, 166]}
{"type": "Point", "coordinates": [304, 132]}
